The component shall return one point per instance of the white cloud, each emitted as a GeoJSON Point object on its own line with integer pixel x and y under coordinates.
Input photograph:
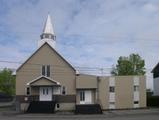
{"type": "Point", "coordinates": [149, 7]}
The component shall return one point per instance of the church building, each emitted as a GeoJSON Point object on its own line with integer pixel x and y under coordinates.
{"type": "Point", "coordinates": [46, 83]}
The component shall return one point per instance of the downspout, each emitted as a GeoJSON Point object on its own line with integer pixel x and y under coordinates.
{"type": "Point", "coordinates": [97, 90]}
{"type": "Point", "coordinates": [76, 74]}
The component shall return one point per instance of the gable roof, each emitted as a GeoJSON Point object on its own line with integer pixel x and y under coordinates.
{"type": "Point", "coordinates": [156, 67]}
{"type": "Point", "coordinates": [40, 77]}
{"type": "Point", "coordinates": [51, 49]}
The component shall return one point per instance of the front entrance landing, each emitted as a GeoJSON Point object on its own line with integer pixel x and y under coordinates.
{"type": "Point", "coordinates": [45, 88]}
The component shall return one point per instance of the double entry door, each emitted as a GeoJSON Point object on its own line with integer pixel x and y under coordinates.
{"type": "Point", "coordinates": [45, 93]}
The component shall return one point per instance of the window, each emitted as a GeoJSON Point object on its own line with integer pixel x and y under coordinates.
{"type": "Point", "coordinates": [28, 91]}
{"type": "Point", "coordinates": [63, 90]}
{"type": "Point", "coordinates": [43, 91]}
{"type": "Point", "coordinates": [136, 88]}
{"type": "Point", "coordinates": [50, 36]}
{"type": "Point", "coordinates": [136, 102]}
{"type": "Point", "coordinates": [112, 103]}
{"type": "Point", "coordinates": [43, 70]}
{"type": "Point", "coordinates": [111, 89]}
{"type": "Point", "coordinates": [47, 91]}
{"type": "Point", "coordinates": [82, 96]}
{"type": "Point", "coordinates": [46, 70]}
{"type": "Point", "coordinates": [58, 105]}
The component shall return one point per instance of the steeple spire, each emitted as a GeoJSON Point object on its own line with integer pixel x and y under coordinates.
{"type": "Point", "coordinates": [48, 34]}
{"type": "Point", "coordinates": [48, 26]}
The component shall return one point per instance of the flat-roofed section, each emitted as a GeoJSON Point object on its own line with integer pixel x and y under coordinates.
{"type": "Point", "coordinates": [86, 81]}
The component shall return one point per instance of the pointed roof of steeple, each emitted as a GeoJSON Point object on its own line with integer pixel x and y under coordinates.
{"type": "Point", "coordinates": [48, 28]}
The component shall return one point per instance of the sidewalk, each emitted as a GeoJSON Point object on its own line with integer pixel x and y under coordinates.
{"type": "Point", "coordinates": [113, 113]}
{"type": "Point", "coordinates": [133, 112]}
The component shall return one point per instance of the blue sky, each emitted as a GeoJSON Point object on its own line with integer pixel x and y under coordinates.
{"type": "Point", "coordinates": [91, 33]}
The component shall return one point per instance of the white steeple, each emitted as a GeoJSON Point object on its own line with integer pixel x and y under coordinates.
{"type": "Point", "coordinates": [48, 34]}
{"type": "Point", "coordinates": [48, 26]}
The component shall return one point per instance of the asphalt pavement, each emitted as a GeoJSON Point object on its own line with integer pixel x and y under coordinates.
{"type": "Point", "coordinates": [140, 114]}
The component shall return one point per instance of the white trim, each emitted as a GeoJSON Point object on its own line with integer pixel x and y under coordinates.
{"type": "Point", "coordinates": [112, 94]}
{"type": "Point", "coordinates": [112, 81]}
{"type": "Point", "coordinates": [111, 105]}
{"type": "Point", "coordinates": [136, 95]}
{"type": "Point", "coordinates": [43, 77]}
{"type": "Point", "coordinates": [77, 72]}
{"type": "Point", "coordinates": [111, 97]}
{"type": "Point", "coordinates": [136, 105]}
{"type": "Point", "coordinates": [136, 80]}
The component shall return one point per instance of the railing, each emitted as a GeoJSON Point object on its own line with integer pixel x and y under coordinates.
{"type": "Point", "coordinates": [36, 98]}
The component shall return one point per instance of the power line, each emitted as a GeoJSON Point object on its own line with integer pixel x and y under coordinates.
{"type": "Point", "coordinates": [114, 37]}
{"type": "Point", "coordinates": [60, 66]}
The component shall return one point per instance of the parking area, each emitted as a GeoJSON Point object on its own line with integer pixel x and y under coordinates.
{"type": "Point", "coordinates": [143, 114]}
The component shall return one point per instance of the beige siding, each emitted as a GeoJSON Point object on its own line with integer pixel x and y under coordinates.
{"type": "Point", "coordinates": [104, 92]}
{"type": "Point", "coordinates": [35, 90]}
{"type": "Point", "coordinates": [65, 107]}
{"type": "Point", "coordinates": [142, 90]}
{"type": "Point", "coordinates": [60, 70]}
{"type": "Point", "coordinates": [77, 97]}
{"type": "Point", "coordinates": [93, 97]}
{"type": "Point", "coordinates": [124, 92]}
{"type": "Point", "coordinates": [86, 82]}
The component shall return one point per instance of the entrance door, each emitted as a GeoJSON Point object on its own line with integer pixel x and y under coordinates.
{"type": "Point", "coordinates": [85, 97]}
{"type": "Point", "coordinates": [88, 97]}
{"type": "Point", "coordinates": [45, 94]}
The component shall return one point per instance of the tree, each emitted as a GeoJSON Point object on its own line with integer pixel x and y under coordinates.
{"type": "Point", "coordinates": [132, 65]}
{"type": "Point", "coordinates": [7, 82]}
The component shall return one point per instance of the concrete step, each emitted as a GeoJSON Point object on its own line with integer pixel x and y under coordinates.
{"type": "Point", "coordinates": [88, 109]}
{"type": "Point", "coordinates": [41, 107]}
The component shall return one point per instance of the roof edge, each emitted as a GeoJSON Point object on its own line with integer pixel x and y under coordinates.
{"type": "Point", "coordinates": [38, 50]}
{"type": "Point", "coordinates": [34, 80]}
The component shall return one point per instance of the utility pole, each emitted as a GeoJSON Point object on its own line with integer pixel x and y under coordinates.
{"type": "Point", "coordinates": [102, 71]}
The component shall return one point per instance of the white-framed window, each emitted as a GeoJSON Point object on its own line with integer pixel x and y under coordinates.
{"type": "Point", "coordinates": [112, 93]}
{"type": "Point", "coordinates": [136, 88]}
{"type": "Point", "coordinates": [111, 105]}
{"type": "Point", "coordinates": [112, 89]}
{"type": "Point", "coordinates": [45, 70]}
{"type": "Point", "coordinates": [82, 95]}
{"type": "Point", "coordinates": [136, 102]}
